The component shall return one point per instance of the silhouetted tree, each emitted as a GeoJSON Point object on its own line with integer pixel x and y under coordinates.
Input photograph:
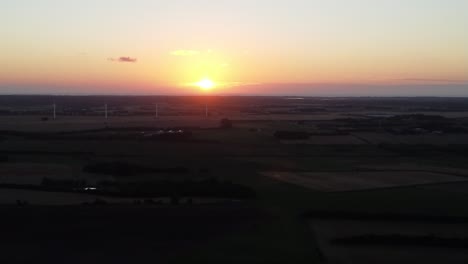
{"type": "Point", "coordinates": [175, 200]}
{"type": "Point", "coordinates": [190, 201]}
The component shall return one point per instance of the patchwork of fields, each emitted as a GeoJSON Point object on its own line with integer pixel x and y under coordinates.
{"type": "Point", "coordinates": [349, 164]}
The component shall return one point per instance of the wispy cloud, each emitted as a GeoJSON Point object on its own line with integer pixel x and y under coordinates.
{"type": "Point", "coordinates": [123, 59]}
{"type": "Point", "coordinates": [185, 53]}
{"type": "Point", "coordinates": [433, 80]}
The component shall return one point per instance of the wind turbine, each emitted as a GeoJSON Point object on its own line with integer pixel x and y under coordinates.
{"type": "Point", "coordinates": [105, 111]}
{"type": "Point", "coordinates": [55, 111]}
{"type": "Point", "coordinates": [157, 111]}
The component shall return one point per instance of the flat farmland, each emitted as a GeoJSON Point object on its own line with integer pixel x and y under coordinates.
{"type": "Point", "coordinates": [10, 196]}
{"type": "Point", "coordinates": [70, 123]}
{"type": "Point", "coordinates": [332, 171]}
{"type": "Point", "coordinates": [326, 140]}
{"type": "Point", "coordinates": [33, 173]}
{"type": "Point", "coordinates": [77, 123]}
{"type": "Point", "coordinates": [328, 230]}
{"type": "Point", "coordinates": [360, 180]}
{"type": "Point", "coordinates": [432, 139]}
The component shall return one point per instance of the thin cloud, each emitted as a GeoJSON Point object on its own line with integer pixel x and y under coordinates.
{"type": "Point", "coordinates": [123, 59]}
{"type": "Point", "coordinates": [185, 53]}
{"type": "Point", "coordinates": [432, 80]}
{"type": "Point", "coordinates": [127, 59]}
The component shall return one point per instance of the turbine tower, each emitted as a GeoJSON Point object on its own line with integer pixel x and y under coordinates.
{"type": "Point", "coordinates": [157, 111]}
{"type": "Point", "coordinates": [55, 111]}
{"type": "Point", "coordinates": [105, 111]}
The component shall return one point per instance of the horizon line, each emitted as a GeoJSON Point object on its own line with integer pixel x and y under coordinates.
{"type": "Point", "coordinates": [237, 95]}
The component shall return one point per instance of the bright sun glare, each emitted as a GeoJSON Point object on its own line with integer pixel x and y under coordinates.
{"type": "Point", "coordinates": [206, 84]}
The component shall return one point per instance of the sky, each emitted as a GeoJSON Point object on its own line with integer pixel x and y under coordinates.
{"type": "Point", "coordinates": [243, 47]}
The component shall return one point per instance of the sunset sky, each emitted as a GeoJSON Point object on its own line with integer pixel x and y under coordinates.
{"type": "Point", "coordinates": [274, 47]}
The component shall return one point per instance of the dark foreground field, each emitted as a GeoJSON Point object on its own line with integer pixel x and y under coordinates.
{"type": "Point", "coordinates": [122, 234]}
{"type": "Point", "coordinates": [284, 200]}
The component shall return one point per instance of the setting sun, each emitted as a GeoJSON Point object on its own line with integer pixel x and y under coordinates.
{"type": "Point", "coordinates": [206, 84]}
